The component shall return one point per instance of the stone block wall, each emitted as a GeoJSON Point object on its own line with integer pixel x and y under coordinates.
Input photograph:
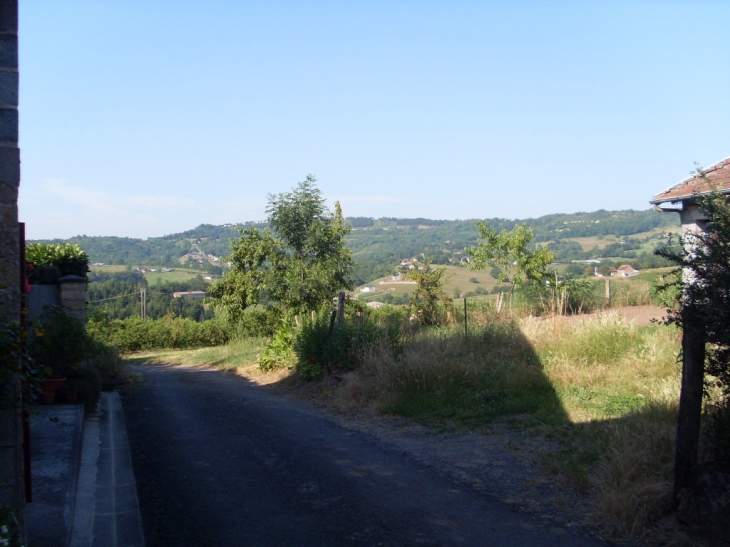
{"type": "Point", "coordinates": [73, 296]}
{"type": "Point", "coordinates": [11, 456]}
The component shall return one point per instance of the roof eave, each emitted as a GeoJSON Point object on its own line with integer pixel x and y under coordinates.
{"type": "Point", "coordinates": [687, 197]}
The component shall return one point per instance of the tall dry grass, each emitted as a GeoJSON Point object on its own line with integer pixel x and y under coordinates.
{"type": "Point", "coordinates": [607, 387]}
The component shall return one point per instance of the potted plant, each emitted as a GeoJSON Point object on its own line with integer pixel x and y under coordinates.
{"type": "Point", "coordinates": [58, 343]}
{"type": "Point", "coordinates": [71, 388]}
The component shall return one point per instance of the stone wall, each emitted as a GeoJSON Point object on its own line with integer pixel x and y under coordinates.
{"type": "Point", "coordinates": [73, 296]}
{"type": "Point", "coordinates": [11, 460]}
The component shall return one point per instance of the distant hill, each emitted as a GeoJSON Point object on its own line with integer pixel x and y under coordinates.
{"type": "Point", "coordinates": [379, 244]}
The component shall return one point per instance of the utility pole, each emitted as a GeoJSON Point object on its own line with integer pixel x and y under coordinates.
{"type": "Point", "coordinates": [143, 303]}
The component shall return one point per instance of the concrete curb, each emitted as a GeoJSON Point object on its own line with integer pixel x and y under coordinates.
{"type": "Point", "coordinates": [70, 507]}
{"type": "Point", "coordinates": [106, 511]}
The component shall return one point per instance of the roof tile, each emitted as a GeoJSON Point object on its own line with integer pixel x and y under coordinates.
{"type": "Point", "coordinates": [716, 177]}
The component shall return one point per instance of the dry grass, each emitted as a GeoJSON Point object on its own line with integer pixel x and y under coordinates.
{"type": "Point", "coordinates": [607, 390]}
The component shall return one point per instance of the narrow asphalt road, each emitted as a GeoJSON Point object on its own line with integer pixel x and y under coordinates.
{"type": "Point", "coordinates": [221, 462]}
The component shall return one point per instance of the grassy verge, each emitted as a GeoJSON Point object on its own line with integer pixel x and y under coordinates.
{"type": "Point", "coordinates": [606, 391]}
{"type": "Point", "coordinates": [238, 356]}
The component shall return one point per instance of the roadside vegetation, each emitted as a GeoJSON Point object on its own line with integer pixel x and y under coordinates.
{"type": "Point", "coordinates": [602, 395]}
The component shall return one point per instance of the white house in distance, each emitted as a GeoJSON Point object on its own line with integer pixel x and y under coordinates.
{"type": "Point", "coordinates": [367, 288]}
{"type": "Point", "coordinates": [680, 198]}
{"type": "Point", "coordinates": [624, 271]}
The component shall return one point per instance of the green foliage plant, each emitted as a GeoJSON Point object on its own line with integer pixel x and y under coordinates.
{"type": "Point", "coordinates": [9, 527]}
{"type": "Point", "coordinates": [430, 305]}
{"type": "Point", "coordinates": [136, 334]}
{"type": "Point", "coordinates": [59, 342]}
{"type": "Point", "coordinates": [705, 260]}
{"type": "Point", "coordinates": [704, 257]}
{"type": "Point", "coordinates": [666, 291]}
{"type": "Point", "coordinates": [17, 369]}
{"type": "Point", "coordinates": [63, 258]}
{"type": "Point", "coordinates": [300, 262]}
{"type": "Point", "coordinates": [278, 351]}
{"type": "Point", "coordinates": [321, 345]}
{"type": "Point", "coordinates": [509, 250]}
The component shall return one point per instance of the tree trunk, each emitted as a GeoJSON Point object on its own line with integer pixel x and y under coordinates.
{"type": "Point", "coordinates": [690, 407]}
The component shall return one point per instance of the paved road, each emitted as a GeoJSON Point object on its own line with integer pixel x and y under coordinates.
{"type": "Point", "coordinates": [220, 462]}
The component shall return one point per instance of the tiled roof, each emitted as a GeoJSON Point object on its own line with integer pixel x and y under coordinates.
{"type": "Point", "coordinates": [716, 177]}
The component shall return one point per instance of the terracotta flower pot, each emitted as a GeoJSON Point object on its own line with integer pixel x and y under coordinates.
{"type": "Point", "coordinates": [50, 388]}
{"type": "Point", "coordinates": [72, 397]}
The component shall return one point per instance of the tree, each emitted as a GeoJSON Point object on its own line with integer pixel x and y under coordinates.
{"type": "Point", "coordinates": [300, 261]}
{"type": "Point", "coordinates": [430, 304]}
{"type": "Point", "coordinates": [704, 257]}
{"type": "Point", "coordinates": [508, 249]}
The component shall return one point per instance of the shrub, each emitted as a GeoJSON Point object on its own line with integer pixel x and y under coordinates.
{"type": "Point", "coordinates": [278, 351]}
{"type": "Point", "coordinates": [136, 334]}
{"type": "Point", "coordinates": [53, 260]}
{"type": "Point", "coordinates": [317, 349]}
{"type": "Point", "coordinates": [59, 342]}
{"type": "Point", "coordinates": [259, 323]}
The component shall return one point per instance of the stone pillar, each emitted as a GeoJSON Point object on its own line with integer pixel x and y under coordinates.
{"type": "Point", "coordinates": [73, 296]}
{"type": "Point", "coordinates": [11, 456]}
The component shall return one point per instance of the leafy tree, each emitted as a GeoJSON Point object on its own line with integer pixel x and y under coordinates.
{"type": "Point", "coordinates": [429, 303]}
{"type": "Point", "coordinates": [300, 261]}
{"type": "Point", "coordinates": [508, 249]}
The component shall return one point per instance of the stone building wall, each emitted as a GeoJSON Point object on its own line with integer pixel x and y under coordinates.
{"type": "Point", "coordinates": [11, 462]}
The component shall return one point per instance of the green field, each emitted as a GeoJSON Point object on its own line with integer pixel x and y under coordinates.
{"type": "Point", "coordinates": [175, 275]}
{"type": "Point", "coordinates": [588, 243]}
{"type": "Point", "coordinates": [460, 278]}
{"type": "Point", "coordinates": [178, 274]}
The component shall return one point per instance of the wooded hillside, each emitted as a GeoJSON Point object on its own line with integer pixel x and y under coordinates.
{"type": "Point", "coordinates": [379, 245]}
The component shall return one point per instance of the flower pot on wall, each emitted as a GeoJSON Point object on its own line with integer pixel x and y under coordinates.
{"type": "Point", "coordinates": [50, 389]}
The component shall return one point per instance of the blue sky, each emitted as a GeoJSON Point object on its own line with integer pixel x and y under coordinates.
{"type": "Point", "coordinates": [144, 118]}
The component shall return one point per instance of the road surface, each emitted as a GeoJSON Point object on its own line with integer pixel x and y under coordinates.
{"type": "Point", "coordinates": [222, 462]}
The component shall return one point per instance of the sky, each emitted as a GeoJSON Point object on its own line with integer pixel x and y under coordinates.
{"type": "Point", "coordinates": [146, 118]}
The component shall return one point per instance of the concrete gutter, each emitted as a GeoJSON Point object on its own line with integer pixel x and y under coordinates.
{"type": "Point", "coordinates": [84, 491]}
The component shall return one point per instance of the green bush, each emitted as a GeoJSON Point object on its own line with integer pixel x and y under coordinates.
{"type": "Point", "coordinates": [59, 341]}
{"type": "Point", "coordinates": [53, 260]}
{"type": "Point", "coordinates": [278, 351]}
{"type": "Point", "coordinates": [136, 334]}
{"type": "Point", "coordinates": [256, 323]}
{"type": "Point", "coordinates": [318, 350]}
{"type": "Point", "coordinates": [666, 291]}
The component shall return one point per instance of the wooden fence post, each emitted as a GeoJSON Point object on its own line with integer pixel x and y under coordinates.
{"type": "Point", "coordinates": [341, 308]}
